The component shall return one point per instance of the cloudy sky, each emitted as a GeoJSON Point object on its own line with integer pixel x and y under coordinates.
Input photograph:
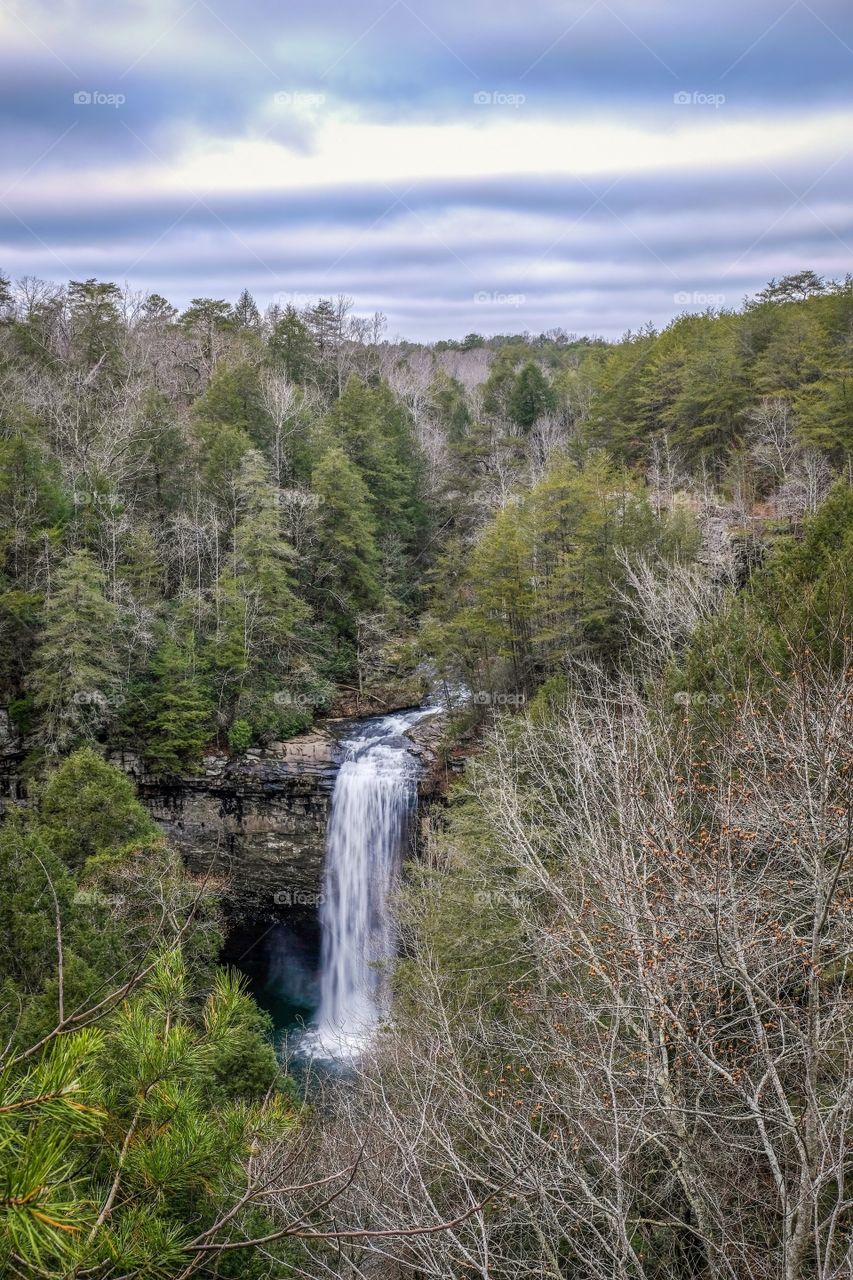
{"type": "Point", "coordinates": [488, 165]}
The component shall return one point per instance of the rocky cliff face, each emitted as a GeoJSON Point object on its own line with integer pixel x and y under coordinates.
{"type": "Point", "coordinates": [257, 824]}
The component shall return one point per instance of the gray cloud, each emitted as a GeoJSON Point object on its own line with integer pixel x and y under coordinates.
{"type": "Point", "coordinates": [211, 71]}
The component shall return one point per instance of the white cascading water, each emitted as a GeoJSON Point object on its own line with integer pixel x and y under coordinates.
{"type": "Point", "coordinates": [372, 803]}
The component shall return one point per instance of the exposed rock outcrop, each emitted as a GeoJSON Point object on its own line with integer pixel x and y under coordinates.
{"type": "Point", "coordinates": [257, 824]}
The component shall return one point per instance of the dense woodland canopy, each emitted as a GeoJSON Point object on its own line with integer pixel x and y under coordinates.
{"type": "Point", "coordinates": [622, 1043]}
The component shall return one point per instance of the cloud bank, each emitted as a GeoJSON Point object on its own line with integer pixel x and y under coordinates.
{"type": "Point", "coordinates": [593, 165]}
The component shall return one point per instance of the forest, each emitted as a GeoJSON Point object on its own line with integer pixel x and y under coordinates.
{"type": "Point", "coordinates": [621, 1039]}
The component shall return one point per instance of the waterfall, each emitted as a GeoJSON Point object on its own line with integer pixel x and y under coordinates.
{"type": "Point", "coordinates": [372, 803]}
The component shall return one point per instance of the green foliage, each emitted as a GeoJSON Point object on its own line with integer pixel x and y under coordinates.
{"type": "Point", "coordinates": [95, 321]}
{"type": "Point", "coordinates": [538, 587]}
{"type": "Point", "coordinates": [696, 381]}
{"type": "Point", "coordinates": [348, 556]}
{"type": "Point", "coordinates": [240, 736]}
{"type": "Point", "coordinates": [796, 611]}
{"type": "Point", "coordinates": [233, 399]}
{"type": "Point", "coordinates": [124, 1144]}
{"type": "Point", "coordinates": [180, 710]}
{"type": "Point", "coordinates": [531, 396]}
{"type": "Point", "coordinates": [37, 888]}
{"type": "Point", "coordinates": [206, 318]}
{"type": "Point", "coordinates": [75, 679]}
{"type": "Point", "coordinates": [450, 406]}
{"type": "Point", "coordinates": [89, 812]}
{"type": "Point", "coordinates": [374, 432]}
{"type": "Point", "coordinates": [291, 346]}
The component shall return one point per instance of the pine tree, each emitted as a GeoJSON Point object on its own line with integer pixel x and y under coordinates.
{"type": "Point", "coordinates": [181, 715]}
{"type": "Point", "coordinates": [95, 320]}
{"type": "Point", "coordinates": [207, 318]}
{"type": "Point", "coordinates": [234, 399]}
{"type": "Point", "coordinates": [291, 346]}
{"type": "Point", "coordinates": [348, 558]}
{"type": "Point", "coordinates": [258, 610]}
{"type": "Point", "coordinates": [246, 314]}
{"type": "Point", "coordinates": [447, 396]}
{"type": "Point", "coordinates": [375, 433]}
{"type": "Point", "coordinates": [531, 397]}
{"type": "Point", "coordinates": [263, 559]}
{"type": "Point", "coordinates": [36, 889]}
{"type": "Point", "coordinates": [75, 679]}
{"type": "Point", "coordinates": [88, 811]}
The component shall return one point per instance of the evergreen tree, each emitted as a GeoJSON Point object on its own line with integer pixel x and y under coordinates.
{"type": "Point", "coordinates": [246, 314]}
{"type": "Point", "coordinates": [347, 554]}
{"type": "Point", "coordinates": [37, 890]}
{"type": "Point", "coordinates": [450, 406]}
{"type": "Point", "coordinates": [263, 559]}
{"type": "Point", "coordinates": [180, 720]}
{"type": "Point", "coordinates": [375, 433]}
{"type": "Point", "coordinates": [89, 813]}
{"type": "Point", "coordinates": [291, 346]}
{"type": "Point", "coordinates": [531, 396]}
{"type": "Point", "coordinates": [6, 298]}
{"type": "Point", "coordinates": [258, 610]}
{"type": "Point", "coordinates": [234, 398]}
{"type": "Point", "coordinates": [75, 679]}
{"type": "Point", "coordinates": [95, 320]}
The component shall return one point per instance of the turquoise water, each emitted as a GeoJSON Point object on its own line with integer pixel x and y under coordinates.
{"type": "Point", "coordinates": [280, 966]}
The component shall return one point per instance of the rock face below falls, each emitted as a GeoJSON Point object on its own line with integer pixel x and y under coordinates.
{"type": "Point", "coordinates": [257, 824]}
